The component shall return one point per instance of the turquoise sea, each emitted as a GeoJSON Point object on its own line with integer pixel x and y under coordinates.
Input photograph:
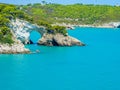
{"type": "Point", "coordinates": [95, 66]}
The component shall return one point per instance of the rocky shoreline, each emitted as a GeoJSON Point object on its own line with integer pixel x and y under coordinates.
{"type": "Point", "coordinates": [16, 48]}
{"type": "Point", "coordinates": [59, 40]}
{"type": "Point", "coordinates": [105, 25]}
{"type": "Point", "coordinates": [13, 49]}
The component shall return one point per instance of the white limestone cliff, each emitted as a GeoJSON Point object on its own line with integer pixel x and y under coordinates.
{"type": "Point", "coordinates": [22, 30]}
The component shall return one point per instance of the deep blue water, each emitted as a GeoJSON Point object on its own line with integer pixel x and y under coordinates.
{"type": "Point", "coordinates": [93, 67]}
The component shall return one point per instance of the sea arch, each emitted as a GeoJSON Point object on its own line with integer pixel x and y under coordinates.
{"type": "Point", "coordinates": [22, 30]}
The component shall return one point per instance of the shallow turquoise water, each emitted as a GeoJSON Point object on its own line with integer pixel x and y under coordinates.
{"type": "Point", "coordinates": [93, 67]}
{"type": "Point", "coordinates": [34, 36]}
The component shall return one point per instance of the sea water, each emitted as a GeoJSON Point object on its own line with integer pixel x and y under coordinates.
{"type": "Point", "coordinates": [95, 66]}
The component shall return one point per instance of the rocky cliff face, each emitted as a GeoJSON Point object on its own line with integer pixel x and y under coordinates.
{"type": "Point", "coordinates": [59, 40]}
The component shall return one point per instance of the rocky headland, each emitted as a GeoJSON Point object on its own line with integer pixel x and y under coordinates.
{"type": "Point", "coordinates": [59, 40]}
{"type": "Point", "coordinates": [21, 35]}
{"type": "Point", "coordinates": [22, 30]}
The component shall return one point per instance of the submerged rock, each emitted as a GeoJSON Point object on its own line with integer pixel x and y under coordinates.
{"type": "Point", "coordinates": [59, 40]}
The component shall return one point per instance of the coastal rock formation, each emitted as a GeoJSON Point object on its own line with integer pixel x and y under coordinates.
{"type": "Point", "coordinates": [15, 48]}
{"type": "Point", "coordinates": [59, 40]}
{"type": "Point", "coordinates": [22, 29]}
{"type": "Point", "coordinates": [21, 32]}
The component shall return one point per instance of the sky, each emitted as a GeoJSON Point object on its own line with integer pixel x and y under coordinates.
{"type": "Point", "coordinates": [101, 2]}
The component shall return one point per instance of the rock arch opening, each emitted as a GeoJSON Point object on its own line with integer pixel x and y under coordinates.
{"type": "Point", "coordinates": [34, 37]}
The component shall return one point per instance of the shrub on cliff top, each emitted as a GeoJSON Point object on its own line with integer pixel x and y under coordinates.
{"type": "Point", "coordinates": [53, 29]}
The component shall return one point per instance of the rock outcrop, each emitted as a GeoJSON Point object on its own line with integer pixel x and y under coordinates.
{"type": "Point", "coordinates": [59, 40]}
{"type": "Point", "coordinates": [15, 48]}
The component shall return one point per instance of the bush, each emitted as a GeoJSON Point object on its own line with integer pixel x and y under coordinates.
{"type": "Point", "coordinates": [53, 29]}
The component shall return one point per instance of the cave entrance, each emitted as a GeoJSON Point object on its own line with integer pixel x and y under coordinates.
{"type": "Point", "coordinates": [34, 37]}
{"type": "Point", "coordinates": [118, 26]}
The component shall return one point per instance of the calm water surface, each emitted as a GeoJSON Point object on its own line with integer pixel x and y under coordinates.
{"type": "Point", "coordinates": [93, 67]}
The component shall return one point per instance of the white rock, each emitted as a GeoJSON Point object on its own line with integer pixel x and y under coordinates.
{"type": "Point", "coordinates": [22, 29]}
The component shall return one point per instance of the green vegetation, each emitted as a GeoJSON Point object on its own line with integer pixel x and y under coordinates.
{"type": "Point", "coordinates": [8, 12]}
{"type": "Point", "coordinates": [41, 18]}
{"type": "Point", "coordinates": [74, 14]}
{"type": "Point", "coordinates": [53, 29]}
{"type": "Point", "coordinates": [46, 14]}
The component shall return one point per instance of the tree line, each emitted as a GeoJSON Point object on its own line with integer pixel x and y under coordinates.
{"type": "Point", "coordinates": [74, 14]}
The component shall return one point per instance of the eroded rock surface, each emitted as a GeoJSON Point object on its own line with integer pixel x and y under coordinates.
{"type": "Point", "coordinates": [59, 40]}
